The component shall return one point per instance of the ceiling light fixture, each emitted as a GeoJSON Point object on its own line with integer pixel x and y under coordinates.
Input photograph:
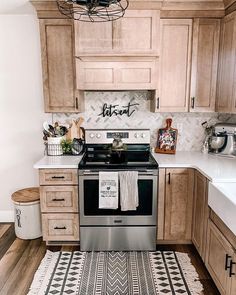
{"type": "Point", "coordinates": [93, 10]}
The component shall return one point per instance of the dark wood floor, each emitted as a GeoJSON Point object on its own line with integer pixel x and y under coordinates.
{"type": "Point", "coordinates": [19, 259]}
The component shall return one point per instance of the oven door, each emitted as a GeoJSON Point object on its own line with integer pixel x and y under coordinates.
{"type": "Point", "coordinates": [91, 215]}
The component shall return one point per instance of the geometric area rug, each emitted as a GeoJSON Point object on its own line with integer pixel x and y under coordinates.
{"type": "Point", "coordinates": [115, 273]}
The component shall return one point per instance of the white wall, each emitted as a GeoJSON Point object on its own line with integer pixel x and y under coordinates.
{"type": "Point", "coordinates": [21, 106]}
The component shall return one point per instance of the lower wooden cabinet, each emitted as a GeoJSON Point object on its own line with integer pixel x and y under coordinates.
{"type": "Point", "coordinates": [220, 260]}
{"type": "Point", "coordinates": [59, 206]}
{"type": "Point", "coordinates": [178, 204]}
{"type": "Point", "coordinates": [200, 213]}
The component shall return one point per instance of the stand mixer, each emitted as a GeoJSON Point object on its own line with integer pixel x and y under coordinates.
{"type": "Point", "coordinates": [223, 140]}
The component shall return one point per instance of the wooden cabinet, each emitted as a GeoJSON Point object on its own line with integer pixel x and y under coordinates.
{"type": "Point", "coordinates": [200, 213]}
{"type": "Point", "coordinates": [58, 65]}
{"type": "Point", "coordinates": [110, 74]}
{"type": "Point", "coordinates": [59, 205]}
{"type": "Point", "coordinates": [175, 60]}
{"type": "Point", "coordinates": [219, 256]}
{"type": "Point", "coordinates": [206, 33]}
{"type": "Point", "coordinates": [226, 97]}
{"type": "Point", "coordinates": [137, 33]}
{"type": "Point", "coordinates": [178, 204]}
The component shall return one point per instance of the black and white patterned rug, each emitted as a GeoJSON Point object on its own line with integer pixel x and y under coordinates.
{"type": "Point", "coordinates": [115, 273]}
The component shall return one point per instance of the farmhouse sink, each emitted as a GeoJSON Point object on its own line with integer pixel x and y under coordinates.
{"type": "Point", "coordinates": [222, 200]}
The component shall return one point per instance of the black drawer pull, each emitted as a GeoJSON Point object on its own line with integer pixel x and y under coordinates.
{"type": "Point", "coordinates": [158, 102]}
{"type": "Point", "coordinates": [76, 103]}
{"type": "Point", "coordinates": [58, 177]}
{"type": "Point", "coordinates": [57, 227]}
{"type": "Point", "coordinates": [227, 257]}
{"type": "Point", "coordinates": [58, 200]}
{"type": "Point", "coordinates": [231, 273]}
{"type": "Point", "coordinates": [192, 102]}
{"type": "Point", "coordinates": [168, 178]}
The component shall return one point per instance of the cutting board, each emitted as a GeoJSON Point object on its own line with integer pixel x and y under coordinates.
{"type": "Point", "coordinates": [167, 139]}
{"type": "Point", "coordinates": [75, 129]}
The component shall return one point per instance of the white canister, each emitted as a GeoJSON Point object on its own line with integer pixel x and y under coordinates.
{"type": "Point", "coordinates": [54, 146]}
{"type": "Point", "coordinates": [28, 220]}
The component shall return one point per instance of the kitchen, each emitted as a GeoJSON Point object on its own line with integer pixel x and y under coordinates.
{"type": "Point", "coordinates": [23, 98]}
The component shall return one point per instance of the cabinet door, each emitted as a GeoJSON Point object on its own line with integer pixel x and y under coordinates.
{"type": "Point", "coordinates": [58, 65]}
{"type": "Point", "coordinates": [200, 213]}
{"type": "Point", "coordinates": [178, 204]}
{"type": "Point", "coordinates": [175, 57]}
{"type": "Point", "coordinates": [216, 259]}
{"type": "Point", "coordinates": [137, 33]}
{"type": "Point", "coordinates": [226, 98]}
{"type": "Point", "coordinates": [206, 34]}
{"type": "Point", "coordinates": [93, 38]}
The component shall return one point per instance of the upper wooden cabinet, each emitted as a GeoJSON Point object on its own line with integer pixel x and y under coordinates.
{"type": "Point", "coordinates": [135, 34]}
{"type": "Point", "coordinates": [178, 204]}
{"type": "Point", "coordinates": [206, 33]}
{"type": "Point", "coordinates": [175, 58]}
{"type": "Point", "coordinates": [58, 64]}
{"type": "Point", "coordinates": [226, 97]}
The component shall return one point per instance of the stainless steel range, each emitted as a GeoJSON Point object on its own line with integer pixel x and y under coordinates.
{"type": "Point", "coordinates": [114, 229]}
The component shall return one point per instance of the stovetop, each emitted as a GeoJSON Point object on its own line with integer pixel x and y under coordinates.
{"type": "Point", "coordinates": [100, 153]}
{"type": "Point", "coordinates": [108, 159]}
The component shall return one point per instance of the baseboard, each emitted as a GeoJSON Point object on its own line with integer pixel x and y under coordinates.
{"type": "Point", "coordinates": [7, 216]}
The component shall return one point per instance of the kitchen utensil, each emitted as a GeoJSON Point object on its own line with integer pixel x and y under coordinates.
{"type": "Point", "coordinates": [45, 126]}
{"type": "Point", "coordinates": [167, 139]}
{"type": "Point", "coordinates": [79, 122]}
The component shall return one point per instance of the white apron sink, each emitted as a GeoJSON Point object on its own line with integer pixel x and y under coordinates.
{"type": "Point", "coordinates": [222, 200]}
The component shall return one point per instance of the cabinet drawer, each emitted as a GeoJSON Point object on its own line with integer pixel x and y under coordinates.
{"type": "Point", "coordinates": [60, 227]}
{"type": "Point", "coordinates": [59, 198]}
{"type": "Point", "coordinates": [58, 176]}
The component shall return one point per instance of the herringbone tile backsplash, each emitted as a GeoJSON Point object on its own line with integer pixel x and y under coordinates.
{"type": "Point", "coordinates": [191, 133]}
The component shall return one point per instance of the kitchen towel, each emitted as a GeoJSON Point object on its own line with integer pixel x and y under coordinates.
{"type": "Point", "coordinates": [108, 190]}
{"type": "Point", "coordinates": [128, 190]}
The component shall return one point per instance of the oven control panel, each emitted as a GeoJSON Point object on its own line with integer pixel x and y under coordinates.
{"type": "Point", "coordinates": [106, 136]}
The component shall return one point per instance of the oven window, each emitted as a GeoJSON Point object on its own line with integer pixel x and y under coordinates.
{"type": "Point", "coordinates": [145, 190]}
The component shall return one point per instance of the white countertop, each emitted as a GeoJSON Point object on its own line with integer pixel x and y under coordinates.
{"type": "Point", "coordinates": [58, 162]}
{"type": "Point", "coordinates": [215, 168]}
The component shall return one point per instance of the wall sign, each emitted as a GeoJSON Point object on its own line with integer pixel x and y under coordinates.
{"type": "Point", "coordinates": [116, 110]}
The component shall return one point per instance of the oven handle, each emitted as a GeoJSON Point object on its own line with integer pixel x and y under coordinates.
{"type": "Point", "coordinates": [140, 172]}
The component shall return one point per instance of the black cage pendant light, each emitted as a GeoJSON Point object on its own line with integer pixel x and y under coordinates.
{"type": "Point", "coordinates": [93, 10]}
